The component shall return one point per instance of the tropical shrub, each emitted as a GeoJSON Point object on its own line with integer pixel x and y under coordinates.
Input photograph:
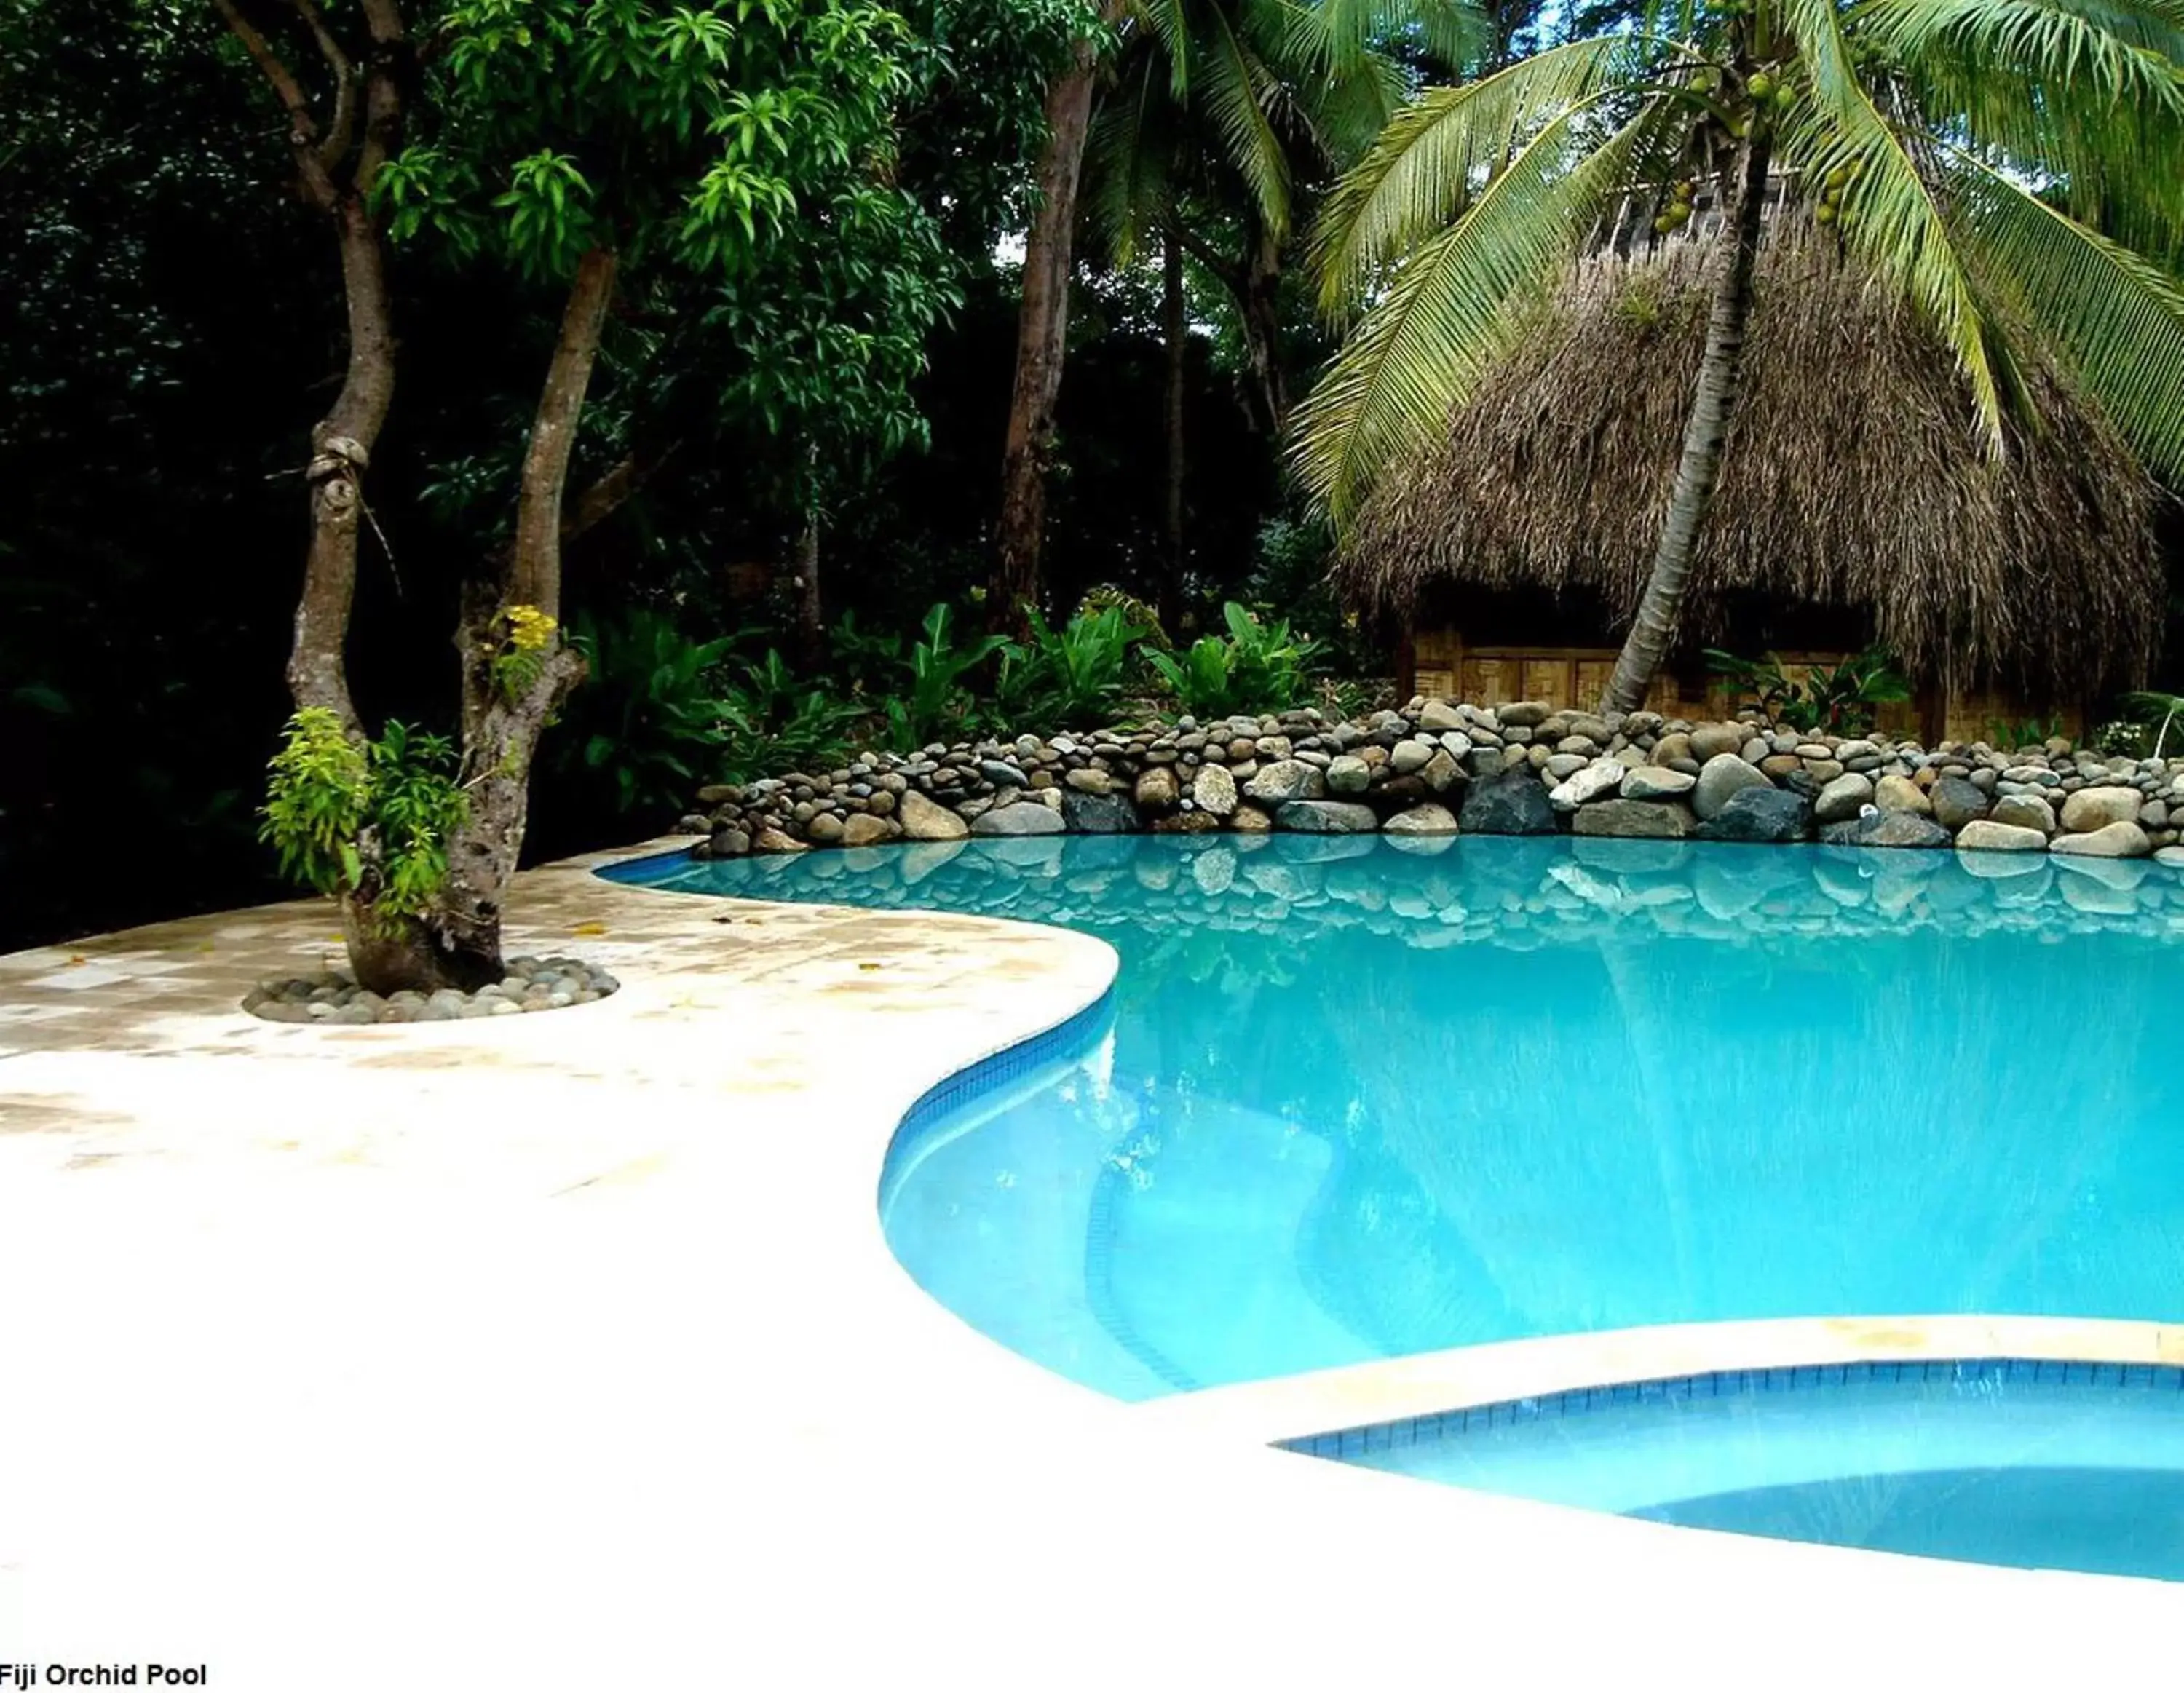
{"type": "Point", "coordinates": [648, 726]}
{"type": "Point", "coordinates": [367, 821]}
{"type": "Point", "coordinates": [1072, 676]}
{"type": "Point", "coordinates": [1258, 667]}
{"type": "Point", "coordinates": [772, 722]}
{"type": "Point", "coordinates": [1841, 698]}
{"type": "Point", "coordinates": [936, 699]}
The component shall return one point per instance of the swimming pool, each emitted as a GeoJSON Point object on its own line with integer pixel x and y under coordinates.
{"type": "Point", "coordinates": [1353, 1101]}
{"type": "Point", "coordinates": [2038, 1464]}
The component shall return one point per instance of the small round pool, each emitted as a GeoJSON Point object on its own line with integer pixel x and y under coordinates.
{"type": "Point", "coordinates": [2036, 1464]}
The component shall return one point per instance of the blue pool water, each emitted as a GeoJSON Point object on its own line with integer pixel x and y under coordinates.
{"type": "Point", "coordinates": [2040, 1465]}
{"type": "Point", "coordinates": [1352, 1101]}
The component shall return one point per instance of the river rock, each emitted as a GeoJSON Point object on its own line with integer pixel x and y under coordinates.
{"type": "Point", "coordinates": [1409, 757]}
{"type": "Point", "coordinates": [1901, 793]}
{"type": "Point", "coordinates": [1213, 790]}
{"type": "Point", "coordinates": [1582, 787]}
{"type": "Point", "coordinates": [2118, 840]}
{"type": "Point", "coordinates": [1249, 820]}
{"type": "Point", "coordinates": [862, 829]}
{"type": "Point", "coordinates": [1984, 834]}
{"type": "Point", "coordinates": [1327, 818]}
{"type": "Point", "coordinates": [1442, 772]}
{"type": "Point", "coordinates": [1098, 814]}
{"type": "Point", "coordinates": [1654, 782]}
{"type": "Point", "coordinates": [1156, 789]}
{"type": "Point", "coordinates": [1956, 802]}
{"type": "Point", "coordinates": [1438, 717]}
{"type": "Point", "coordinates": [1771, 816]}
{"type": "Point", "coordinates": [1026, 819]}
{"type": "Point", "coordinates": [1842, 799]}
{"type": "Point", "coordinates": [1348, 774]}
{"type": "Point", "coordinates": [1886, 829]}
{"type": "Point", "coordinates": [2024, 811]}
{"type": "Point", "coordinates": [1282, 781]}
{"type": "Point", "coordinates": [922, 820]}
{"type": "Point", "coordinates": [1711, 740]}
{"type": "Point", "coordinates": [1428, 819]}
{"type": "Point", "coordinates": [1724, 776]}
{"type": "Point", "coordinates": [1511, 803]}
{"type": "Point", "coordinates": [770, 839]}
{"type": "Point", "coordinates": [1634, 820]}
{"type": "Point", "coordinates": [2093, 808]}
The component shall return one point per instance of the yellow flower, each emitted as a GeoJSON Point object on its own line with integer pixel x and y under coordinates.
{"type": "Point", "coordinates": [529, 629]}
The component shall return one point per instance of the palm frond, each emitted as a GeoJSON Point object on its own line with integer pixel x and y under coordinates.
{"type": "Point", "coordinates": [1337, 38]}
{"type": "Point", "coordinates": [1170, 22]}
{"type": "Point", "coordinates": [1237, 86]}
{"type": "Point", "coordinates": [1429, 161]}
{"type": "Point", "coordinates": [2086, 95]}
{"type": "Point", "coordinates": [1130, 160]}
{"type": "Point", "coordinates": [1891, 219]}
{"type": "Point", "coordinates": [1451, 311]}
{"type": "Point", "coordinates": [2115, 317]}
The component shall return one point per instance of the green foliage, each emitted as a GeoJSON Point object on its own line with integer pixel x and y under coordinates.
{"type": "Point", "coordinates": [775, 723]}
{"type": "Point", "coordinates": [1145, 623]}
{"type": "Point", "coordinates": [1258, 667]}
{"type": "Point", "coordinates": [1071, 678]}
{"type": "Point", "coordinates": [367, 819]}
{"type": "Point", "coordinates": [2152, 726]}
{"type": "Point", "coordinates": [936, 699]}
{"type": "Point", "coordinates": [2009, 734]}
{"type": "Point", "coordinates": [317, 802]}
{"type": "Point", "coordinates": [644, 730]}
{"type": "Point", "coordinates": [415, 808]}
{"type": "Point", "coordinates": [1832, 699]}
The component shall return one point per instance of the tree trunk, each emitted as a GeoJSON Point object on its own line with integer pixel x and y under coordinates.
{"type": "Point", "coordinates": [810, 610]}
{"type": "Point", "coordinates": [1698, 472]}
{"type": "Point", "coordinates": [504, 711]}
{"type": "Point", "coordinates": [341, 448]}
{"type": "Point", "coordinates": [1042, 330]}
{"type": "Point", "coordinates": [1174, 332]}
{"type": "Point", "coordinates": [342, 442]}
{"type": "Point", "coordinates": [1262, 319]}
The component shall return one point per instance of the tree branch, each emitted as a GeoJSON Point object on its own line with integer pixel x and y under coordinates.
{"type": "Point", "coordinates": [534, 571]}
{"type": "Point", "coordinates": [609, 492]}
{"type": "Point", "coordinates": [1229, 275]}
{"type": "Point", "coordinates": [302, 127]}
{"type": "Point", "coordinates": [382, 103]}
{"type": "Point", "coordinates": [343, 129]}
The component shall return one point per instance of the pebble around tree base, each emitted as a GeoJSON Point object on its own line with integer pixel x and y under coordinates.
{"type": "Point", "coordinates": [532, 985]}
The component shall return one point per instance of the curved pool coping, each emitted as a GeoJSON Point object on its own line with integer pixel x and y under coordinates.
{"type": "Point", "coordinates": [620, 1379]}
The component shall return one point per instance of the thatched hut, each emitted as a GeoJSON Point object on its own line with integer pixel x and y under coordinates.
{"type": "Point", "coordinates": [1855, 507]}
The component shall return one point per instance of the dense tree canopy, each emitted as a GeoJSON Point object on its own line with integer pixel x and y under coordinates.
{"type": "Point", "coordinates": [803, 222]}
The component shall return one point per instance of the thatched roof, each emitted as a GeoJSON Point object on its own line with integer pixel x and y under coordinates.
{"type": "Point", "coordinates": [1852, 478]}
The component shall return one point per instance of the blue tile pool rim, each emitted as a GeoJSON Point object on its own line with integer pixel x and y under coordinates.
{"type": "Point", "coordinates": [1066, 1042]}
{"type": "Point", "coordinates": [1728, 1383]}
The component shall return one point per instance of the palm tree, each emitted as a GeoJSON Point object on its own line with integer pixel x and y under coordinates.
{"type": "Point", "coordinates": [1225, 118]}
{"type": "Point", "coordinates": [2009, 167]}
{"type": "Point", "coordinates": [1220, 112]}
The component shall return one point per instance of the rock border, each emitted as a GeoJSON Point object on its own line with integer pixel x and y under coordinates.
{"type": "Point", "coordinates": [1438, 767]}
{"type": "Point", "coordinates": [331, 997]}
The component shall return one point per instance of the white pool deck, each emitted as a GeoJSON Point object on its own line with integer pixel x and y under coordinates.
{"type": "Point", "coordinates": [564, 1351]}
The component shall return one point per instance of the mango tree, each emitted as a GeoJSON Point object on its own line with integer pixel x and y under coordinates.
{"type": "Point", "coordinates": [622, 162]}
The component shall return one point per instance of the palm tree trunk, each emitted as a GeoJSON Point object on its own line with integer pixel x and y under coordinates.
{"type": "Point", "coordinates": [1042, 329]}
{"type": "Point", "coordinates": [1261, 317]}
{"type": "Point", "coordinates": [1698, 472]}
{"type": "Point", "coordinates": [1174, 330]}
